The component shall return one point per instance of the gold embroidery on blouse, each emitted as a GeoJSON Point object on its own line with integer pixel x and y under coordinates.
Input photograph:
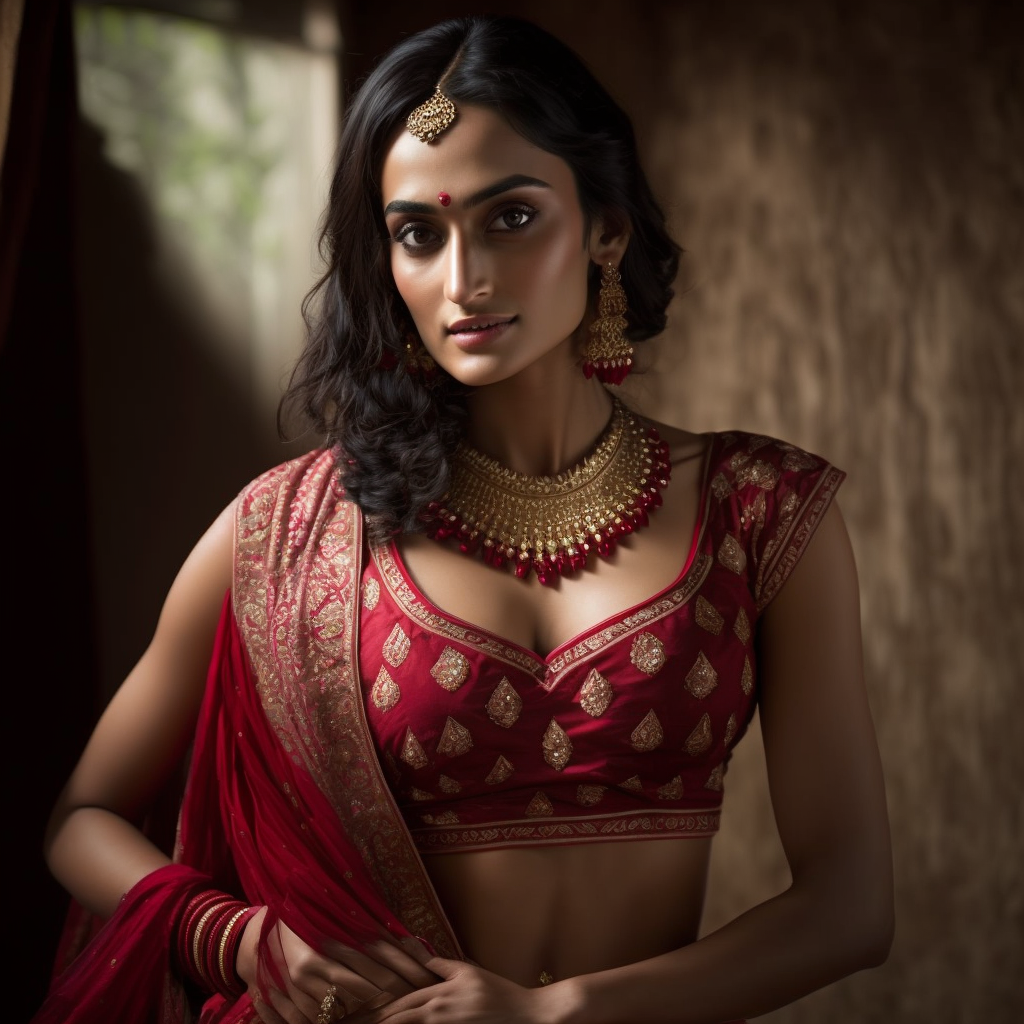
{"type": "Point", "coordinates": [702, 678]}
{"type": "Point", "coordinates": [502, 769]}
{"type": "Point", "coordinates": [633, 784]}
{"type": "Point", "coordinates": [450, 670]}
{"type": "Point", "coordinates": [504, 704]}
{"type": "Point", "coordinates": [539, 807]}
{"type": "Point", "coordinates": [671, 790]}
{"type": "Point", "coordinates": [648, 734]}
{"type": "Point", "coordinates": [753, 515]}
{"type": "Point", "coordinates": [720, 487]}
{"type": "Point", "coordinates": [546, 978]}
{"type": "Point", "coordinates": [413, 753]}
{"type": "Point", "coordinates": [444, 818]}
{"type": "Point", "coordinates": [647, 653]}
{"type": "Point", "coordinates": [758, 441]}
{"type": "Point", "coordinates": [738, 460]}
{"type": "Point", "coordinates": [747, 678]}
{"type": "Point", "coordinates": [385, 693]}
{"type": "Point", "coordinates": [715, 779]}
{"type": "Point", "coordinates": [596, 642]}
{"type": "Point", "coordinates": [396, 647]}
{"type": "Point", "coordinates": [596, 694]}
{"type": "Point", "coordinates": [741, 627]}
{"type": "Point", "coordinates": [589, 795]}
{"type": "Point", "coordinates": [448, 785]}
{"type": "Point", "coordinates": [797, 520]}
{"type": "Point", "coordinates": [707, 615]}
{"type": "Point", "coordinates": [420, 795]}
{"type": "Point", "coordinates": [371, 594]}
{"type": "Point", "coordinates": [730, 729]}
{"type": "Point", "coordinates": [731, 555]}
{"type": "Point", "coordinates": [753, 518]}
{"type": "Point", "coordinates": [455, 740]}
{"type": "Point", "coordinates": [557, 746]}
{"type": "Point", "coordinates": [391, 573]}
{"type": "Point", "coordinates": [700, 739]}
{"type": "Point", "coordinates": [761, 474]}
{"type": "Point", "coordinates": [794, 461]}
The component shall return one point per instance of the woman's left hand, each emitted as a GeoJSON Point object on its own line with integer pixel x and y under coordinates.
{"type": "Point", "coordinates": [466, 994]}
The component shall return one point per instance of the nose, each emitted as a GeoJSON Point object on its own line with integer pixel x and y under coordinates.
{"type": "Point", "coordinates": [467, 274]}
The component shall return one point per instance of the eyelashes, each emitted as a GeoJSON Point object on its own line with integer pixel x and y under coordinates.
{"type": "Point", "coordinates": [418, 237]}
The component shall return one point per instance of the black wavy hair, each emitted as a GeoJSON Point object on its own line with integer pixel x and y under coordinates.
{"type": "Point", "coordinates": [396, 432]}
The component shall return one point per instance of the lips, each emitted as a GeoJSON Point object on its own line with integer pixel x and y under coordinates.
{"type": "Point", "coordinates": [477, 324]}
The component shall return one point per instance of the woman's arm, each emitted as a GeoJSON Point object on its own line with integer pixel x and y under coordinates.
{"type": "Point", "coordinates": [92, 844]}
{"type": "Point", "coordinates": [827, 790]}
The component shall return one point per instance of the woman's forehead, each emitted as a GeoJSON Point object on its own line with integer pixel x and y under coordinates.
{"type": "Point", "coordinates": [479, 149]}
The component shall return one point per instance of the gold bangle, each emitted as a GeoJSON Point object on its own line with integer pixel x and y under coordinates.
{"type": "Point", "coordinates": [224, 945]}
{"type": "Point", "coordinates": [196, 939]}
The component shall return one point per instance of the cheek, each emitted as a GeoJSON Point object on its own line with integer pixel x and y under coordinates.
{"type": "Point", "coordinates": [410, 287]}
{"type": "Point", "coordinates": [558, 277]}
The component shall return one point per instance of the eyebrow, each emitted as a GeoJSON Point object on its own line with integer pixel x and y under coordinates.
{"type": "Point", "coordinates": [505, 185]}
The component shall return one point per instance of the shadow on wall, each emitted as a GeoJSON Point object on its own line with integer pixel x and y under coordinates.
{"type": "Point", "coordinates": [171, 436]}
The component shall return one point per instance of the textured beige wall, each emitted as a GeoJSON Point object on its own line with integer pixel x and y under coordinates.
{"type": "Point", "coordinates": [850, 187]}
{"type": "Point", "coordinates": [848, 181]}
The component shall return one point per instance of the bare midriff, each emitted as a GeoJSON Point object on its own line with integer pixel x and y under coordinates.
{"type": "Point", "coordinates": [569, 910]}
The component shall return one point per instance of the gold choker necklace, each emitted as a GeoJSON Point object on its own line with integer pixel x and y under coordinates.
{"type": "Point", "coordinates": [552, 524]}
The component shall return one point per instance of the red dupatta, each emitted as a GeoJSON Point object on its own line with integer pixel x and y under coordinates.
{"type": "Point", "coordinates": [285, 804]}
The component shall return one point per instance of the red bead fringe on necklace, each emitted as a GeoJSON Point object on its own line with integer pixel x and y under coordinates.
{"type": "Point", "coordinates": [552, 525]}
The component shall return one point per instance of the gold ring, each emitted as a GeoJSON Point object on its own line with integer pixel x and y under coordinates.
{"type": "Point", "coordinates": [326, 1014]}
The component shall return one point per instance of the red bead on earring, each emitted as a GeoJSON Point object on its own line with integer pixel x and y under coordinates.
{"type": "Point", "coordinates": [443, 198]}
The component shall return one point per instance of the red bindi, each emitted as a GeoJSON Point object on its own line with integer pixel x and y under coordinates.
{"type": "Point", "coordinates": [443, 198]}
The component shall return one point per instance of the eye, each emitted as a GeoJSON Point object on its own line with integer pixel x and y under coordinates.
{"type": "Point", "coordinates": [415, 237]}
{"type": "Point", "coordinates": [513, 218]}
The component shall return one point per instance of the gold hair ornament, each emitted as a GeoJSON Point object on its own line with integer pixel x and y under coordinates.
{"type": "Point", "coordinates": [432, 118]}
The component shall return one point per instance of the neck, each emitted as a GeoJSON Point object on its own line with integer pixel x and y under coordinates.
{"type": "Point", "coordinates": [542, 421]}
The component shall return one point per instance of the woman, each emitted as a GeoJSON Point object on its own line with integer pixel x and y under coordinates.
{"type": "Point", "coordinates": [453, 760]}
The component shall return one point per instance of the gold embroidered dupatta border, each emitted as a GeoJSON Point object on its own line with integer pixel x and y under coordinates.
{"type": "Point", "coordinates": [297, 569]}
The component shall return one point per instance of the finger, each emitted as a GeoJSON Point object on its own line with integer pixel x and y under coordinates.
{"type": "Point", "coordinates": [345, 1001]}
{"type": "Point", "coordinates": [408, 961]}
{"type": "Point", "coordinates": [276, 1008]}
{"type": "Point", "coordinates": [445, 968]}
{"type": "Point", "coordinates": [394, 1010]}
{"type": "Point", "coordinates": [264, 1011]}
{"type": "Point", "coordinates": [383, 965]}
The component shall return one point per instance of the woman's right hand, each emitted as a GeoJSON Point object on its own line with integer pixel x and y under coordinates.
{"type": "Point", "coordinates": [365, 979]}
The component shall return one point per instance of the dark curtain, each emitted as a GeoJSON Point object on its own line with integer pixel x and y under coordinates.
{"type": "Point", "coordinates": [49, 664]}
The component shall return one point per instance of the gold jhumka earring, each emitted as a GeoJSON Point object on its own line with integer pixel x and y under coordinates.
{"type": "Point", "coordinates": [418, 362]}
{"type": "Point", "coordinates": [608, 353]}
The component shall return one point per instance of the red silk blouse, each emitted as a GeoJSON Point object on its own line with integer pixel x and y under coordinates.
{"type": "Point", "coordinates": [625, 731]}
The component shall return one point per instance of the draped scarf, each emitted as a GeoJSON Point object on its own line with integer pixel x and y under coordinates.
{"type": "Point", "coordinates": [285, 803]}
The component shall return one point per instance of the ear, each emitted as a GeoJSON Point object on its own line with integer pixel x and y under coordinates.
{"type": "Point", "coordinates": [609, 236]}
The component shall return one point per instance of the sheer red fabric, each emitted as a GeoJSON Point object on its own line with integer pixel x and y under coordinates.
{"type": "Point", "coordinates": [253, 822]}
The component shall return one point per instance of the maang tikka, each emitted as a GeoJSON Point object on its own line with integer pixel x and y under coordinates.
{"type": "Point", "coordinates": [432, 118]}
{"type": "Point", "coordinates": [608, 353]}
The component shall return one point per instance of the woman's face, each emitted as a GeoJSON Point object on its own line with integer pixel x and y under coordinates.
{"type": "Point", "coordinates": [488, 246]}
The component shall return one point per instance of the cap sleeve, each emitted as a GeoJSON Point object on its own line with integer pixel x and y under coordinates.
{"type": "Point", "coordinates": [775, 495]}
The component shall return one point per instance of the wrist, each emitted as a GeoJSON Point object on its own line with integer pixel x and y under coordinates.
{"type": "Point", "coordinates": [207, 941]}
{"type": "Point", "coordinates": [565, 1002]}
